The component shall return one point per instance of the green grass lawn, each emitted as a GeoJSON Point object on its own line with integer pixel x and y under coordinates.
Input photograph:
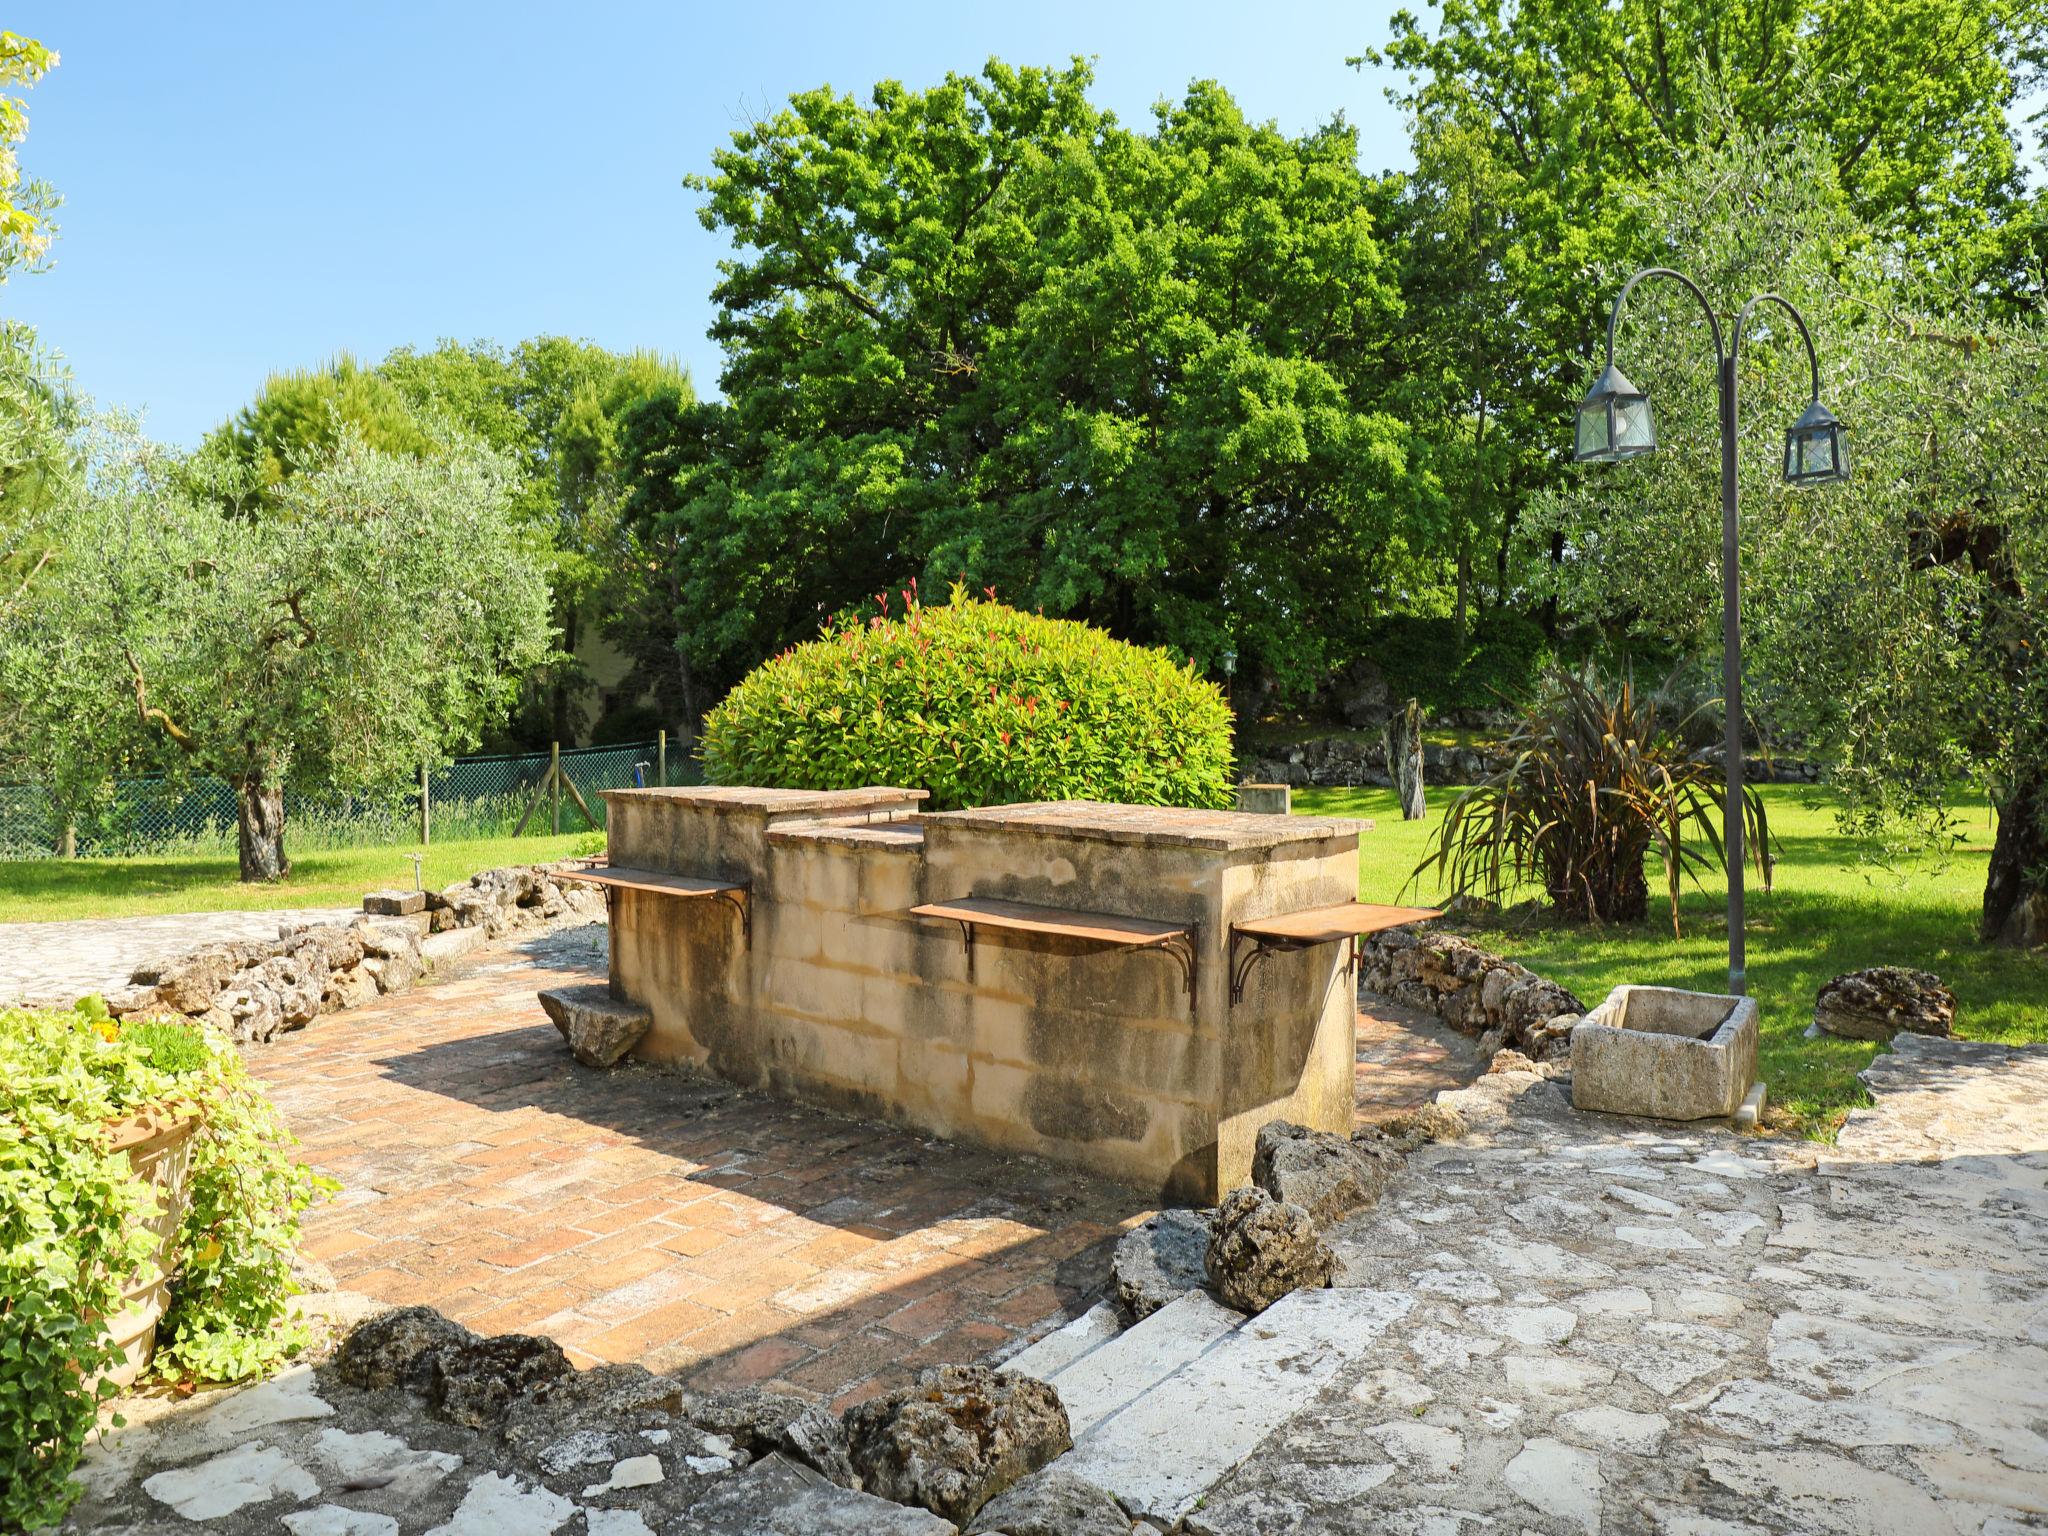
{"type": "Point", "coordinates": [47, 890]}
{"type": "Point", "coordinates": [1826, 914]}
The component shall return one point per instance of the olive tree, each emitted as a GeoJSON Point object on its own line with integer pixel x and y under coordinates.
{"type": "Point", "coordinates": [380, 612]}
{"type": "Point", "coordinates": [1897, 624]}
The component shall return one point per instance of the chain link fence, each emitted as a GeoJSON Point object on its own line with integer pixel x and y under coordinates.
{"type": "Point", "coordinates": [472, 797]}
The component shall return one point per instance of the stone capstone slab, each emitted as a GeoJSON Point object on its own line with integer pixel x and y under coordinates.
{"type": "Point", "coordinates": [1878, 1003]}
{"type": "Point", "coordinates": [600, 1028]}
{"type": "Point", "coordinates": [1260, 1249]}
{"type": "Point", "coordinates": [1161, 1452]}
{"type": "Point", "coordinates": [394, 903]}
{"type": "Point", "coordinates": [1105, 1379]}
{"type": "Point", "coordinates": [1665, 1053]}
{"type": "Point", "coordinates": [777, 1497]}
{"type": "Point", "coordinates": [956, 1437]}
{"type": "Point", "coordinates": [1067, 1344]}
{"type": "Point", "coordinates": [1160, 1261]}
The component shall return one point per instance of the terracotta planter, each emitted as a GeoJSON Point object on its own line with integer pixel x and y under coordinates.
{"type": "Point", "coordinates": [159, 1148]}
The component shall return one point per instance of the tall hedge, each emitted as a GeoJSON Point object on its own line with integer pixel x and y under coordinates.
{"type": "Point", "coordinates": [981, 705]}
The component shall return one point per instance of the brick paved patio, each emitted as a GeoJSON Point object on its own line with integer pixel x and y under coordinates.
{"type": "Point", "coordinates": [642, 1216]}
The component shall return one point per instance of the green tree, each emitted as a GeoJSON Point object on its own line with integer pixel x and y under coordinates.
{"type": "Point", "coordinates": [380, 617]}
{"type": "Point", "coordinates": [1537, 125]}
{"type": "Point", "coordinates": [557, 408]}
{"type": "Point", "coordinates": [26, 204]}
{"type": "Point", "coordinates": [1897, 624]}
{"type": "Point", "coordinates": [299, 419]}
{"type": "Point", "coordinates": [986, 331]}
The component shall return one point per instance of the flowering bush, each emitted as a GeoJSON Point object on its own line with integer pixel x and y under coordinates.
{"type": "Point", "coordinates": [73, 1233]}
{"type": "Point", "coordinates": [981, 705]}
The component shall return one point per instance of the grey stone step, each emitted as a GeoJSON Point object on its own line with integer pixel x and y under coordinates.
{"type": "Point", "coordinates": [1063, 1346]}
{"type": "Point", "coordinates": [1117, 1372]}
{"type": "Point", "coordinates": [1165, 1447]}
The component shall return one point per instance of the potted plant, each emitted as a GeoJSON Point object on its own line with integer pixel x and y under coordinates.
{"type": "Point", "coordinates": [148, 1207]}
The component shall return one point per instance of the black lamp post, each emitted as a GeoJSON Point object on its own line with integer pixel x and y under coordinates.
{"type": "Point", "coordinates": [1615, 423]}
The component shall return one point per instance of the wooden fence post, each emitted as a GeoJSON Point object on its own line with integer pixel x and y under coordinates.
{"type": "Point", "coordinates": [661, 759]}
{"type": "Point", "coordinates": [555, 786]}
{"type": "Point", "coordinates": [426, 810]}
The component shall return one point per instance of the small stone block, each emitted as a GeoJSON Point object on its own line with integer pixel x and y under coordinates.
{"type": "Point", "coordinates": [395, 903]}
{"type": "Point", "coordinates": [1665, 1053]}
{"type": "Point", "coordinates": [600, 1029]}
{"type": "Point", "coordinates": [1751, 1109]}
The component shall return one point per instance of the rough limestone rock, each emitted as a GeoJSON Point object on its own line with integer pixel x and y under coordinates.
{"type": "Point", "coordinates": [474, 1384]}
{"type": "Point", "coordinates": [956, 1438]}
{"type": "Point", "coordinates": [1471, 989]}
{"type": "Point", "coordinates": [605, 1397]}
{"type": "Point", "coordinates": [1328, 1176]}
{"type": "Point", "coordinates": [339, 946]}
{"type": "Point", "coordinates": [1262, 1248]}
{"type": "Point", "coordinates": [249, 1014]}
{"type": "Point", "coordinates": [1160, 1261]}
{"type": "Point", "coordinates": [777, 1497]}
{"type": "Point", "coordinates": [399, 1349]}
{"type": "Point", "coordinates": [1415, 1127]}
{"type": "Point", "coordinates": [294, 983]}
{"type": "Point", "coordinates": [386, 937]}
{"type": "Point", "coordinates": [189, 982]}
{"type": "Point", "coordinates": [348, 989]}
{"type": "Point", "coordinates": [392, 973]}
{"type": "Point", "coordinates": [1510, 1061]}
{"type": "Point", "coordinates": [817, 1438]}
{"type": "Point", "coordinates": [1879, 1003]}
{"type": "Point", "coordinates": [753, 1418]}
{"type": "Point", "coordinates": [1052, 1503]}
{"type": "Point", "coordinates": [599, 1028]}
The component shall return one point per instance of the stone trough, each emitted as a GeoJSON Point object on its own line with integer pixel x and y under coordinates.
{"type": "Point", "coordinates": [1668, 1054]}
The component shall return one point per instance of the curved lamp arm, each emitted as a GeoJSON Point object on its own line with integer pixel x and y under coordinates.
{"type": "Point", "coordinates": [1742, 324]}
{"type": "Point", "coordinates": [1713, 321]}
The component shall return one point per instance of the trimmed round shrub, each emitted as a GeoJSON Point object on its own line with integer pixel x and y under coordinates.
{"type": "Point", "coordinates": [981, 705]}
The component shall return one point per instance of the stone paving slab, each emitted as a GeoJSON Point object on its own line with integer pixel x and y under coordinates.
{"type": "Point", "coordinates": [1626, 1326]}
{"type": "Point", "coordinates": [55, 964]}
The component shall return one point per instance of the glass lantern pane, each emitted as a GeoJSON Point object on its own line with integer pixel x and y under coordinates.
{"type": "Point", "coordinates": [1817, 454]}
{"type": "Point", "coordinates": [1632, 426]}
{"type": "Point", "coordinates": [1592, 431]}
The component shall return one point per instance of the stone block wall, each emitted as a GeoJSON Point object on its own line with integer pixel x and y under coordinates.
{"type": "Point", "coordinates": [1044, 1044]}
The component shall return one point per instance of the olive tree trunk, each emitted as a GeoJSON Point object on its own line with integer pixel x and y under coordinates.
{"type": "Point", "coordinates": [1404, 760]}
{"type": "Point", "coordinates": [259, 814]}
{"type": "Point", "coordinates": [2016, 889]}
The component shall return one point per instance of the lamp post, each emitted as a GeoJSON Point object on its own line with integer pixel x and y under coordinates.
{"type": "Point", "coordinates": [1615, 423]}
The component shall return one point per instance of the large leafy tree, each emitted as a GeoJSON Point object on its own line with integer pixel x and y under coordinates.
{"type": "Point", "coordinates": [557, 408]}
{"type": "Point", "coordinates": [36, 407]}
{"type": "Point", "coordinates": [1897, 623]}
{"type": "Point", "coordinates": [377, 615]}
{"type": "Point", "coordinates": [987, 331]}
{"type": "Point", "coordinates": [1538, 125]}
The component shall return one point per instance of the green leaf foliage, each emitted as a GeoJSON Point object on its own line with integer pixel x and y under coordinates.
{"type": "Point", "coordinates": [1601, 775]}
{"type": "Point", "coordinates": [987, 332]}
{"type": "Point", "coordinates": [73, 1233]}
{"type": "Point", "coordinates": [979, 704]}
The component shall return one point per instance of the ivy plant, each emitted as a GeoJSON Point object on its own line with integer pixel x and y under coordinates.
{"type": "Point", "coordinates": [73, 1229]}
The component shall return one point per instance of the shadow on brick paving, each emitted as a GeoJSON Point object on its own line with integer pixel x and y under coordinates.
{"type": "Point", "coordinates": [665, 1218]}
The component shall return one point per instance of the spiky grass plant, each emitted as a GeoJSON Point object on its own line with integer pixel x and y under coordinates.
{"type": "Point", "coordinates": [1601, 774]}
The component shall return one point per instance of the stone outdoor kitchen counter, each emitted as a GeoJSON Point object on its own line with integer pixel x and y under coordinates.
{"type": "Point", "coordinates": [1070, 998]}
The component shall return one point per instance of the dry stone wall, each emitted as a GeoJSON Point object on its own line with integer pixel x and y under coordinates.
{"type": "Point", "coordinates": [1473, 990]}
{"type": "Point", "coordinates": [255, 990]}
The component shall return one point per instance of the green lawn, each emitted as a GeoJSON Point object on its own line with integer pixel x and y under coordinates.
{"type": "Point", "coordinates": [1827, 914]}
{"type": "Point", "coordinates": [46, 890]}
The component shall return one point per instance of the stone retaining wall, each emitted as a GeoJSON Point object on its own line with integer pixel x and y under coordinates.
{"type": "Point", "coordinates": [1474, 991]}
{"type": "Point", "coordinates": [255, 990]}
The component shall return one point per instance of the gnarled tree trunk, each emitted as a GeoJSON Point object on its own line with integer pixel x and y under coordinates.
{"type": "Point", "coordinates": [2016, 889]}
{"type": "Point", "coordinates": [259, 814]}
{"type": "Point", "coordinates": [1404, 760]}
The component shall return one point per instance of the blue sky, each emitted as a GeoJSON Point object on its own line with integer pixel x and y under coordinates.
{"type": "Point", "coordinates": [250, 187]}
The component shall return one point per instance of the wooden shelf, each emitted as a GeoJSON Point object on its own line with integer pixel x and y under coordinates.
{"type": "Point", "coordinates": [1319, 925]}
{"type": "Point", "coordinates": [737, 894]}
{"type": "Point", "coordinates": [1109, 929]}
